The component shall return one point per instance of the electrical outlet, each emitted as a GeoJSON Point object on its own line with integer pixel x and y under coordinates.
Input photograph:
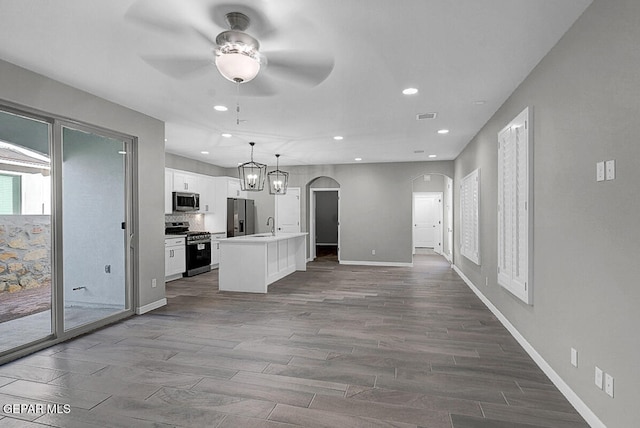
{"type": "Point", "coordinates": [154, 283]}
{"type": "Point", "coordinates": [608, 384]}
{"type": "Point", "coordinates": [600, 171]}
{"type": "Point", "coordinates": [574, 357]}
{"type": "Point", "coordinates": [598, 378]}
{"type": "Point", "coordinates": [610, 170]}
{"type": "Point", "coordinates": [373, 252]}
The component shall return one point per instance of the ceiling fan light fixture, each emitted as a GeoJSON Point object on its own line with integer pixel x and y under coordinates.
{"type": "Point", "coordinates": [237, 66]}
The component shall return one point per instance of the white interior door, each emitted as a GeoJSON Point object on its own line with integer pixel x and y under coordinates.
{"type": "Point", "coordinates": [427, 221]}
{"type": "Point", "coordinates": [288, 211]}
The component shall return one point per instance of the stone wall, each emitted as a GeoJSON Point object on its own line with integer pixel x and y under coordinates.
{"type": "Point", "coordinates": [25, 252]}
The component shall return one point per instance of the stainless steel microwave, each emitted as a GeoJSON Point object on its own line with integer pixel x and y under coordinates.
{"type": "Point", "coordinates": [186, 201]}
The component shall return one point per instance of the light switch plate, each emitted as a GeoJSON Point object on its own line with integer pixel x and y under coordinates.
{"type": "Point", "coordinates": [608, 384]}
{"type": "Point", "coordinates": [574, 357]}
{"type": "Point", "coordinates": [610, 169]}
{"type": "Point", "coordinates": [600, 171]}
{"type": "Point", "coordinates": [598, 378]}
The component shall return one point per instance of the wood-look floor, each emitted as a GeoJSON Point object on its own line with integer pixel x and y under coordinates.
{"type": "Point", "coordinates": [336, 346]}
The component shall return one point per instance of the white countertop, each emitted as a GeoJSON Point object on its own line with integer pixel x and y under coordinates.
{"type": "Point", "coordinates": [175, 236]}
{"type": "Point", "coordinates": [261, 238]}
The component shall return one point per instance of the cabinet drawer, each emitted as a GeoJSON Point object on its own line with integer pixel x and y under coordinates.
{"type": "Point", "coordinates": [172, 242]}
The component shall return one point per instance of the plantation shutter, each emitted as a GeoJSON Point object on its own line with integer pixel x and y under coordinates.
{"type": "Point", "coordinates": [469, 208]}
{"type": "Point", "coordinates": [513, 207]}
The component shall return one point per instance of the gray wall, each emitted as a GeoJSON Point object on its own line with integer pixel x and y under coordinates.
{"type": "Point", "coordinates": [380, 193]}
{"type": "Point", "coordinates": [191, 165]}
{"type": "Point", "coordinates": [585, 98]}
{"type": "Point", "coordinates": [33, 90]}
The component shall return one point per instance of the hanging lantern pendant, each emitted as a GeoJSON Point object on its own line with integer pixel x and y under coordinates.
{"type": "Point", "coordinates": [278, 180]}
{"type": "Point", "coordinates": [252, 174]}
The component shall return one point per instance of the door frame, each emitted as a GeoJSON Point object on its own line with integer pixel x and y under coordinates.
{"type": "Point", "coordinates": [448, 208]}
{"type": "Point", "coordinates": [56, 123]}
{"type": "Point", "coordinates": [440, 219]}
{"type": "Point", "coordinates": [312, 219]}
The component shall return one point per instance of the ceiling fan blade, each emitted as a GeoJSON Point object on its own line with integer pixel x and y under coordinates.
{"type": "Point", "coordinates": [167, 16]}
{"type": "Point", "coordinates": [178, 67]}
{"type": "Point", "coordinates": [299, 67]}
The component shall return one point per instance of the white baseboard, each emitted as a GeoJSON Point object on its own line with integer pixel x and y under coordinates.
{"type": "Point", "coordinates": [367, 263]}
{"type": "Point", "coordinates": [564, 388]}
{"type": "Point", "coordinates": [151, 306]}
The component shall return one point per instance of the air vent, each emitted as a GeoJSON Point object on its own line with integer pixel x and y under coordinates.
{"type": "Point", "coordinates": [418, 151]}
{"type": "Point", "coordinates": [423, 116]}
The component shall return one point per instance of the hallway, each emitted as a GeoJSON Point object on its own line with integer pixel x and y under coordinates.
{"type": "Point", "coordinates": [335, 346]}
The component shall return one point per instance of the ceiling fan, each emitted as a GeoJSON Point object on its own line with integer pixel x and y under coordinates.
{"type": "Point", "coordinates": [235, 53]}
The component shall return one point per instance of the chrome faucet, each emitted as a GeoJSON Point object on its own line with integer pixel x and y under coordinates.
{"type": "Point", "coordinates": [273, 225]}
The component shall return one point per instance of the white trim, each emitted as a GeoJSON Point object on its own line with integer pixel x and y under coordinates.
{"type": "Point", "coordinates": [565, 389]}
{"type": "Point", "coordinates": [151, 306]}
{"type": "Point", "coordinates": [367, 263]}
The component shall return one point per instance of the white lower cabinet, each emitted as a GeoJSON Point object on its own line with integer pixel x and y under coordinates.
{"type": "Point", "coordinates": [175, 258]}
{"type": "Point", "coordinates": [215, 248]}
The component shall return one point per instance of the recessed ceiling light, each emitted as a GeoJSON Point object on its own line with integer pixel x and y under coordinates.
{"type": "Point", "coordinates": [338, 137]}
{"type": "Point", "coordinates": [204, 152]}
{"type": "Point", "coordinates": [220, 108]}
{"type": "Point", "coordinates": [225, 135]}
{"type": "Point", "coordinates": [410, 91]}
{"type": "Point", "coordinates": [358, 159]}
{"type": "Point", "coordinates": [433, 156]}
{"type": "Point", "coordinates": [165, 140]}
{"type": "Point", "coordinates": [443, 131]}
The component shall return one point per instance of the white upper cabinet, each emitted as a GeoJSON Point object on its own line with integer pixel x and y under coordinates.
{"type": "Point", "coordinates": [168, 188]}
{"type": "Point", "coordinates": [207, 187]}
{"type": "Point", "coordinates": [233, 188]}
{"type": "Point", "coordinates": [185, 182]}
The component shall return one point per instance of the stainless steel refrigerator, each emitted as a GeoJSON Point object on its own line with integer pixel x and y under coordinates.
{"type": "Point", "coordinates": [240, 217]}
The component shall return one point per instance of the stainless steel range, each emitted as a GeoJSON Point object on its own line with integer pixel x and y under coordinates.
{"type": "Point", "coordinates": [198, 246]}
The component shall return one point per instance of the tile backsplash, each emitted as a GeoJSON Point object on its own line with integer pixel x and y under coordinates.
{"type": "Point", "coordinates": [196, 221]}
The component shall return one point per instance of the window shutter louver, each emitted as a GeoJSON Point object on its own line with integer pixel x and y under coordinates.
{"type": "Point", "coordinates": [513, 207]}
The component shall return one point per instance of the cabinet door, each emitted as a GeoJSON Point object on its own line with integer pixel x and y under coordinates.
{"type": "Point", "coordinates": [170, 267]}
{"type": "Point", "coordinates": [168, 188]}
{"type": "Point", "coordinates": [207, 189]}
{"type": "Point", "coordinates": [215, 252]}
{"type": "Point", "coordinates": [184, 182]}
{"type": "Point", "coordinates": [180, 258]}
{"type": "Point", "coordinates": [233, 188]}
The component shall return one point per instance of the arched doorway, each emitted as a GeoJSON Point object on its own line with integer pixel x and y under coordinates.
{"type": "Point", "coordinates": [324, 219]}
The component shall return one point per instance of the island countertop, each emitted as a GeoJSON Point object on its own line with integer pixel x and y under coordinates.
{"type": "Point", "coordinates": [261, 238]}
{"type": "Point", "coordinates": [250, 263]}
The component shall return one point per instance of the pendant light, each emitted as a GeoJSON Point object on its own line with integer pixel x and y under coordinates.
{"type": "Point", "coordinates": [252, 174]}
{"type": "Point", "coordinates": [278, 180]}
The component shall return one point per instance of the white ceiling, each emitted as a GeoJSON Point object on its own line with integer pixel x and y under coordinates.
{"type": "Point", "coordinates": [456, 52]}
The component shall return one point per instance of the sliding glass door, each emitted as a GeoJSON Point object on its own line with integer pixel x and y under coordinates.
{"type": "Point", "coordinates": [65, 229]}
{"type": "Point", "coordinates": [25, 231]}
{"type": "Point", "coordinates": [94, 222]}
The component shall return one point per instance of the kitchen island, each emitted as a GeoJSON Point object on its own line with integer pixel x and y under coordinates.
{"type": "Point", "coordinates": [250, 263]}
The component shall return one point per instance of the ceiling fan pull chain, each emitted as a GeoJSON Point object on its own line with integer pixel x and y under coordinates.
{"type": "Point", "coordinates": [237, 103]}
